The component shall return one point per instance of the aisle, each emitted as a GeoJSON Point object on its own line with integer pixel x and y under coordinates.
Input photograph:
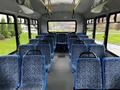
{"type": "Point", "coordinates": [60, 77]}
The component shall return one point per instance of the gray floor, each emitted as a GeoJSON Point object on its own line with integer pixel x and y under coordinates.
{"type": "Point", "coordinates": [60, 77]}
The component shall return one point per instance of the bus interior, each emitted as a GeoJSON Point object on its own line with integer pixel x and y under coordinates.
{"type": "Point", "coordinates": [59, 44]}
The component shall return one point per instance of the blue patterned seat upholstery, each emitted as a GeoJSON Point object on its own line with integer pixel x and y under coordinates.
{"type": "Point", "coordinates": [61, 38]}
{"type": "Point", "coordinates": [111, 67]}
{"type": "Point", "coordinates": [88, 74]}
{"type": "Point", "coordinates": [52, 38]}
{"type": "Point", "coordinates": [24, 48]}
{"type": "Point", "coordinates": [9, 72]}
{"type": "Point", "coordinates": [88, 41]}
{"type": "Point", "coordinates": [46, 51]}
{"type": "Point", "coordinates": [82, 36]}
{"type": "Point", "coordinates": [71, 40]}
{"type": "Point", "coordinates": [77, 49]}
{"type": "Point", "coordinates": [51, 42]}
{"type": "Point", "coordinates": [46, 40]}
{"type": "Point", "coordinates": [79, 34]}
{"type": "Point", "coordinates": [99, 50]}
{"type": "Point", "coordinates": [33, 41]}
{"type": "Point", "coordinates": [74, 42]}
{"type": "Point", "coordinates": [41, 36]}
{"type": "Point", "coordinates": [33, 73]}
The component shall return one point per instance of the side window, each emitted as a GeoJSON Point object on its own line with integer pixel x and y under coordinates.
{"type": "Point", "coordinates": [7, 35]}
{"type": "Point", "coordinates": [90, 27]}
{"type": "Point", "coordinates": [23, 30]}
{"type": "Point", "coordinates": [114, 35]}
{"type": "Point", "coordinates": [34, 28]}
{"type": "Point", "coordinates": [100, 30]}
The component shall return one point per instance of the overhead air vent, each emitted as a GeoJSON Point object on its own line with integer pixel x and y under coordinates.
{"type": "Point", "coordinates": [98, 6]}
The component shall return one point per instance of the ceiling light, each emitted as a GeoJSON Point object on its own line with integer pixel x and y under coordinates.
{"type": "Point", "coordinates": [65, 17]}
{"type": "Point", "coordinates": [98, 8]}
{"type": "Point", "coordinates": [26, 10]}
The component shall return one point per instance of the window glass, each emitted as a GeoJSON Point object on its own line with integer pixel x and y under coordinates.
{"type": "Point", "coordinates": [118, 17]}
{"type": "Point", "coordinates": [23, 31]}
{"type": "Point", "coordinates": [114, 38]}
{"type": "Point", "coordinates": [11, 19]}
{"type": "Point", "coordinates": [104, 19]}
{"type": "Point", "coordinates": [22, 20]}
{"type": "Point", "coordinates": [62, 26]}
{"type": "Point", "coordinates": [90, 29]}
{"type": "Point", "coordinates": [100, 30]}
{"type": "Point", "coordinates": [3, 16]}
{"type": "Point", "coordinates": [34, 28]}
{"type": "Point", "coordinates": [34, 31]}
{"type": "Point", "coordinates": [112, 18]}
{"type": "Point", "coordinates": [87, 21]}
{"type": "Point", "coordinates": [7, 35]}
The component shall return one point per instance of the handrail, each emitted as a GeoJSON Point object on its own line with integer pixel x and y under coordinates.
{"type": "Point", "coordinates": [49, 6]}
{"type": "Point", "coordinates": [77, 4]}
{"type": "Point", "coordinates": [88, 55]}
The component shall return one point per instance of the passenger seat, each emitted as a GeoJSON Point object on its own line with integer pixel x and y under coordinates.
{"type": "Point", "coordinates": [9, 72]}
{"type": "Point", "coordinates": [88, 73]}
{"type": "Point", "coordinates": [33, 73]}
{"type": "Point", "coordinates": [111, 72]}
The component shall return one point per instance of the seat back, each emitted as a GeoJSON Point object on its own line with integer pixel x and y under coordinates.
{"type": "Point", "coordinates": [99, 50]}
{"type": "Point", "coordinates": [111, 67]}
{"type": "Point", "coordinates": [51, 42]}
{"type": "Point", "coordinates": [61, 39]}
{"type": "Point", "coordinates": [71, 40]}
{"type": "Point", "coordinates": [33, 41]}
{"type": "Point", "coordinates": [24, 48]}
{"type": "Point", "coordinates": [52, 38]}
{"type": "Point", "coordinates": [82, 36]}
{"type": "Point", "coordinates": [88, 74]}
{"type": "Point", "coordinates": [75, 42]}
{"type": "Point", "coordinates": [46, 51]}
{"type": "Point", "coordinates": [33, 71]}
{"type": "Point", "coordinates": [76, 50]}
{"type": "Point", "coordinates": [88, 41]}
{"type": "Point", "coordinates": [9, 72]}
{"type": "Point", "coordinates": [33, 52]}
{"type": "Point", "coordinates": [41, 36]}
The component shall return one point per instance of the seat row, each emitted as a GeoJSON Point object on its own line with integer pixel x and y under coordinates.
{"type": "Point", "coordinates": [43, 44]}
{"type": "Point", "coordinates": [30, 75]}
{"type": "Point", "coordinates": [47, 39]}
{"type": "Point", "coordinates": [94, 73]}
{"type": "Point", "coordinates": [27, 69]}
{"type": "Point", "coordinates": [79, 45]}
